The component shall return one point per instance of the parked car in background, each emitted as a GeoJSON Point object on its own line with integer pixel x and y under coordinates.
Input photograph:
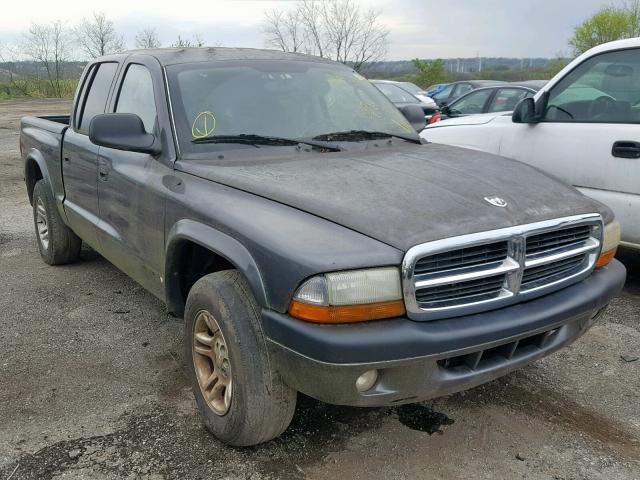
{"type": "Point", "coordinates": [582, 127]}
{"type": "Point", "coordinates": [437, 88]}
{"type": "Point", "coordinates": [455, 90]}
{"type": "Point", "coordinates": [417, 92]}
{"type": "Point", "coordinates": [400, 97]}
{"type": "Point", "coordinates": [499, 98]}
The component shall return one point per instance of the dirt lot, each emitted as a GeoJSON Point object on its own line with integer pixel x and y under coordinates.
{"type": "Point", "coordinates": [91, 386]}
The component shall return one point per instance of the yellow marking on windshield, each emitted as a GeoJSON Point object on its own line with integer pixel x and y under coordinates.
{"type": "Point", "coordinates": [371, 110]}
{"type": "Point", "coordinates": [203, 125]}
{"type": "Point", "coordinates": [404, 126]}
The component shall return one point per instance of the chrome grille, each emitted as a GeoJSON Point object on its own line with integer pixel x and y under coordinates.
{"type": "Point", "coordinates": [545, 242]}
{"type": "Point", "coordinates": [548, 272]}
{"type": "Point", "coordinates": [472, 273]}
{"type": "Point", "coordinates": [465, 257]}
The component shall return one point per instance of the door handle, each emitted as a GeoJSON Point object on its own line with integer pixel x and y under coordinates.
{"type": "Point", "coordinates": [103, 171]}
{"type": "Point", "coordinates": [626, 149]}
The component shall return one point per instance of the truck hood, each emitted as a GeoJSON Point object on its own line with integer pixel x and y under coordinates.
{"type": "Point", "coordinates": [401, 195]}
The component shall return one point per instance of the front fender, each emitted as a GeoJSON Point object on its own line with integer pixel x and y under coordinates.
{"type": "Point", "coordinates": [221, 244]}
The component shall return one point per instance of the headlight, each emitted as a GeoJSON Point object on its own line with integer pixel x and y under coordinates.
{"type": "Point", "coordinates": [610, 241]}
{"type": "Point", "coordinates": [351, 296]}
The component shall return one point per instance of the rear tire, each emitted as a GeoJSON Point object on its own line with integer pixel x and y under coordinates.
{"type": "Point", "coordinates": [57, 243]}
{"type": "Point", "coordinates": [241, 397]}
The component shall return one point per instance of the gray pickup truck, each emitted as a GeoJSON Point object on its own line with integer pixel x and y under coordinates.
{"type": "Point", "coordinates": [291, 214]}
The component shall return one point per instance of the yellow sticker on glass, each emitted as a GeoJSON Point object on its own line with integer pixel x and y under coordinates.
{"type": "Point", "coordinates": [203, 125]}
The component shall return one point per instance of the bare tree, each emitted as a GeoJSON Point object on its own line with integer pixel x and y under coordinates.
{"type": "Point", "coordinates": [284, 30]}
{"type": "Point", "coordinates": [186, 43]}
{"type": "Point", "coordinates": [97, 36]}
{"type": "Point", "coordinates": [147, 38]}
{"type": "Point", "coordinates": [337, 29]}
{"type": "Point", "coordinates": [310, 14]}
{"type": "Point", "coordinates": [50, 45]}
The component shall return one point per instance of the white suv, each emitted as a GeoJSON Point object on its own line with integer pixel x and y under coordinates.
{"type": "Point", "coordinates": [583, 127]}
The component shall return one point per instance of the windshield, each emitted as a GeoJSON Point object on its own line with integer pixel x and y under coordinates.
{"type": "Point", "coordinates": [292, 100]}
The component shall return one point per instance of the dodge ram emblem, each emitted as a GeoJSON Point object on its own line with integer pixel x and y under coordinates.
{"type": "Point", "coordinates": [496, 201]}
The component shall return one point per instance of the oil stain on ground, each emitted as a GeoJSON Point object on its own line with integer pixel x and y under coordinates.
{"type": "Point", "coordinates": [422, 418]}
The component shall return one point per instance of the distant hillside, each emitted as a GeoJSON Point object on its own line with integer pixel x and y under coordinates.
{"type": "Point", "coordinates": [71, 70]}
{"type": "Point", "coordinates": [460, 66]}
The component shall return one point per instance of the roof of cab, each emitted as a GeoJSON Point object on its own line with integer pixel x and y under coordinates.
{"type": "Point", "coordinates": [172, 56]}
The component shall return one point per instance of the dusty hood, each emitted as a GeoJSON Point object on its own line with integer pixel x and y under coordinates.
{"type": "Point", "coordinates": [403, 195]}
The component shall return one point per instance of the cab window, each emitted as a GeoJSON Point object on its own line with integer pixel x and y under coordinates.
{"type": "Point", "coordinates": [506, 99]}
{"type": "Point", "coordinates": [96, 100]}
{"type": "Point", "coordinates": [470, 104]}
{"type": "Point", "coordinates": [136, 96]}
{"type": "Point", "coordinates": [462, 88]}
{"type": "Point", "coordinates": [603, 89]}
{"type": "Point", "coordinates": [442, 95]}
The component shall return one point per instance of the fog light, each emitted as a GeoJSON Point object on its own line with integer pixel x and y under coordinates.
{"type": "Point", "coordinates": [367, 380]}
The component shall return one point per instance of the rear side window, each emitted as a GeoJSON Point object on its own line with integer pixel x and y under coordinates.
{"type": "Point", "coordinates": [443, 94]}
{"type": "Point", "coordinates": [81, 95]}
{"type": "Point", "coordinates": [96, 99]}
{"type": "Point", "coordinates": [472, 103]}
{"type": "Point", "coordinates": [463, 88]}
{"type": "Point", "coordinates": [136, 96]}
{"type": "Point", "coordinates": [507, 98]}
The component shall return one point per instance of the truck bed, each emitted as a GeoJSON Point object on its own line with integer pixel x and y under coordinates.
{"type": "Point", "coordinates": [41, 139]}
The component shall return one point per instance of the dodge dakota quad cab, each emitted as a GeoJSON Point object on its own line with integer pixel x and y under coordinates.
{"type": "Point", "coordinates": [289, 212]}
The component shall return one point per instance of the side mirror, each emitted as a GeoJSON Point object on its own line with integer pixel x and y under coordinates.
{"type": "Point", "coordinates": [445, 109]}
{"type": "Point", "coordinates": [525, 111]}
{"type": "Point", "coordinates": [122, 131]}
{"type": "Point", "coordinates": [415, 115]}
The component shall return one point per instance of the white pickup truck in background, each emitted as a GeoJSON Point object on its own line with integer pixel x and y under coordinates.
{"type": "Point", "coordinates": [583, 127]}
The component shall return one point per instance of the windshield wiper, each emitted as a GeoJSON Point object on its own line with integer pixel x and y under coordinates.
{"type": "Point", "coordinates": [364, 135]}
{"type": "Point", "coordinates": [252, 139]}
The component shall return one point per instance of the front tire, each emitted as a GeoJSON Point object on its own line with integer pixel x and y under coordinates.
{"type": "Point", "coordinates": [58, 244]}
{"type": "Point", "coordinates": [241, 397]}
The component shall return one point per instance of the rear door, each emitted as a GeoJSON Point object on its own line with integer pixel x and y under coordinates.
{"type": "Point", "coordinates": [590, 134]}
{"type": "Point", "coordinates": [131, 185]}
{"type": "Point", "coordinates": [80, 156]}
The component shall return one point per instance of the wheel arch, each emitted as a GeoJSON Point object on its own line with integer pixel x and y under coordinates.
{"type": "Point", "coordinates": [194, 250]}
{"type": "Point", "coordinates": [35, 169]}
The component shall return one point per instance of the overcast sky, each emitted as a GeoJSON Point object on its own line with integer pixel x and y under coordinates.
{"type": "Point", "coordinates": [419, 28]}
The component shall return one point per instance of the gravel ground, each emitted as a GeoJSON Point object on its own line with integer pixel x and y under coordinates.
{"type": "Point", "coordinates": [92, 387]}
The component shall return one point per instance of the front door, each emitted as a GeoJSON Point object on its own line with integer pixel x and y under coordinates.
{"type": "Point", "coordinates": [130, 191]}
{"type": "Point", "coordinates": [590, 135]}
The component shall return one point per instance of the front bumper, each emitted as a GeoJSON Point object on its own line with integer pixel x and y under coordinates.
{"type": "Point", "coordinates": [421, 360]}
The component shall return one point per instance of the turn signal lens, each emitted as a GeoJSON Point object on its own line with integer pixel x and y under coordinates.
{"type": "Point", "coordinates": [610, 241]}
{"type": "Point", "coordinates": [605, 258]}
{"type": "Point", "coordinates": [349, 296]}
{"type": "Point", "coordinates": [346, 313]}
